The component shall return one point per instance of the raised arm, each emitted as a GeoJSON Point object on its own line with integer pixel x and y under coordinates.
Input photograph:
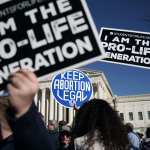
{"type": "Point", "coordinates": [28, 128]}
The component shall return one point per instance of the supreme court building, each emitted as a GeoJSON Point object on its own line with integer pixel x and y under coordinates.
{"type": "Point", "coordinates": [51, 110]}
{"type": "Point", "coordinates": [135, 109]}
{"type": "Point", "coordinates": [131, 108]}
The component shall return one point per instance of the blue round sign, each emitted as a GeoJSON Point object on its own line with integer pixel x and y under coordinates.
{"type": "Point", "coordinates": [72, 88]}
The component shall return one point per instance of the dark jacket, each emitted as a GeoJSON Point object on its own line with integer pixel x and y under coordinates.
{"type": "Point", "coordinates": [29, 132]}
{"type": "Point", "coordinates": [7, 144]}
{"type": "Point", "coordinates": [145, 144]}
{"type": "Point", "coordinates": [53, 135]}
{"type": "Point", "coordinates": [70, 147]}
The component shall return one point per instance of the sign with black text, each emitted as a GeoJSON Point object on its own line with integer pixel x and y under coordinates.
{"type": "Point", "coordinates": [46, 36]}
{"type": "Point", "coordinates": [126, 47]}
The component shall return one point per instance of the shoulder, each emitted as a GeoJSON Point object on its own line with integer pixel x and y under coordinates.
{"type": "Point", "coordinates": [133, 135]}
{"type": "Point", "coordinates": [81, 143]}
{"type": "Point", "coordinates": [80, 140]}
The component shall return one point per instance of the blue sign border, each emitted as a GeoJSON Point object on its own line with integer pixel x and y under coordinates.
{"type": "Point", "coordinates": [74, 104]}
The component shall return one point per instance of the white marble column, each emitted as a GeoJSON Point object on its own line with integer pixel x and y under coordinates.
{"type": "Point", "coordinates": [47, 106]}
{"type": "Point", "coordinates": [100, 90]}
{"type": "Point", "coordinates": [39, 106]}
{"type": "Point", "coordinates": [36, 99]}
{"type": "Point", "coordinates": [71, 111]}
{"type": "Point", "coordinates": [47, 101]}
{"type": "Point", "coordinates": [39, 99]}
{"type": "Point", "coordinates": [64, 114]}
{"type": "Point", "coordinates": [74, 113]}
{"type": "Point", "coordinates": [56, 111]}
{"type": "Point", "coordinates": [46, 110]}
{"type": "Point", "coordinates": [43, 101]}
{"type": "Point", "coordinates": [51, 107]}
{"type": "Point", "coordinates": [60, 109]}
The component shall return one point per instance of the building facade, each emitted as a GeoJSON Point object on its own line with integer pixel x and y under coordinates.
{"type": "Point", "coordinates": [135, 109]}
{"type": "Point", "coordinates": [51, 110]}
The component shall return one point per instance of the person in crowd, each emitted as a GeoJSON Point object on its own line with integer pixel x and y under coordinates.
{"type": "Point", "coordinates": [66, 128]}
{"type": "Point", "coordinates": [65, 140]}
{"type": "Point", "coordinates": [53, 130]}
{"type": "Point", "coordinates": [134, 139]}
{"type": "Point", "coordinates": [62, 123]}
{"type": "Point", "coordinates": [97, 126]}
{"type": "Point", "coordinates": [145, 145]}
{"type": "Point", "coordinates": [21, 125]}
{"type": "Point", "coordinates": [140, 135]}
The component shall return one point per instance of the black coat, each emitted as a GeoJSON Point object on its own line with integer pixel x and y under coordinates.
{"type": "Point", "coordinates": [29, 132]}
{"type": "Point", "coordinates": [66, 148]}
{"type": "Point", "coordinates": [53, 135]}
{"type": "Point", "coordinates": [145, 144]}
{"type": "Point", "coordinates": [7, 144]}
{"type": "Point", "coordinates": [69, 147]}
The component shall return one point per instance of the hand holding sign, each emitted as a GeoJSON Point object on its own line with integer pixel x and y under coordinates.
{"type": "Point", "coordinates": [22, 89]}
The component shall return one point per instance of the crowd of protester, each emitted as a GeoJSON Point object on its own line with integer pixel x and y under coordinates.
{"type": "Point", "coordinates": [87, 134]}
{"type": "Point", "coordinates": [137, 140]}
{"type": "Point", "coordinates": [60, 135]}
{"type": "Point", "coordinates": [96, 125]}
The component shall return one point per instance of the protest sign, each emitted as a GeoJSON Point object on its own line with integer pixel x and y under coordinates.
{"type": "Point", "coordinates": [71, 88]}
{"type": "Point", "coordinates": [46, 36]}
{"type": "Point", "coordinates": [126, 46]}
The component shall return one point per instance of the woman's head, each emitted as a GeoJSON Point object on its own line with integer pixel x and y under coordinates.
{"type": "Point", "coordinates": [98, 115]}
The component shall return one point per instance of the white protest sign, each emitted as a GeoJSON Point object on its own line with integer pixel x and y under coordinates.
{"type": "Point", "coordinates": [126, 47]}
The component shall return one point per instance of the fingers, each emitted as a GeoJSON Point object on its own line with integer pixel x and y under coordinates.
{"type": "Point", "coordinates": [32, 79]}
{"type": "Point", "coordinates": [22, 88]}
{"type": "Point", "coordinates": [30, 75]}
{"type": "Point", "coordinates": [23, 79]}
{"type": "Point", "coordinates": [18, 80]}
{"type": "Point", "coordinates": [12, 89]}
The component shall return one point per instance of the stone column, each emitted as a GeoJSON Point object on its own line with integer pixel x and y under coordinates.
{"type": "Point", "coordinates": [71, 112]}
{"type": "Point", "coordinates": [56, 111]}
{"type": "Point", "coordinates": [47, 107]}
{"type": "Point", "coordinates": [64, 114]}
{"type": "Point", "coordinates": [100, 90]}
{"type": "Point", "coordinates": [51, 107]}
{"type": "Point", "coordinates": [43, 101]}
{"type": "Point", "coordinates": [74, 113]}
{"type": "Point", "coordinates": [36, 99]}
{"type": "Point", "coordinates": [39, 100]}
{"type": "Point", "coordinates": [60, 109]}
